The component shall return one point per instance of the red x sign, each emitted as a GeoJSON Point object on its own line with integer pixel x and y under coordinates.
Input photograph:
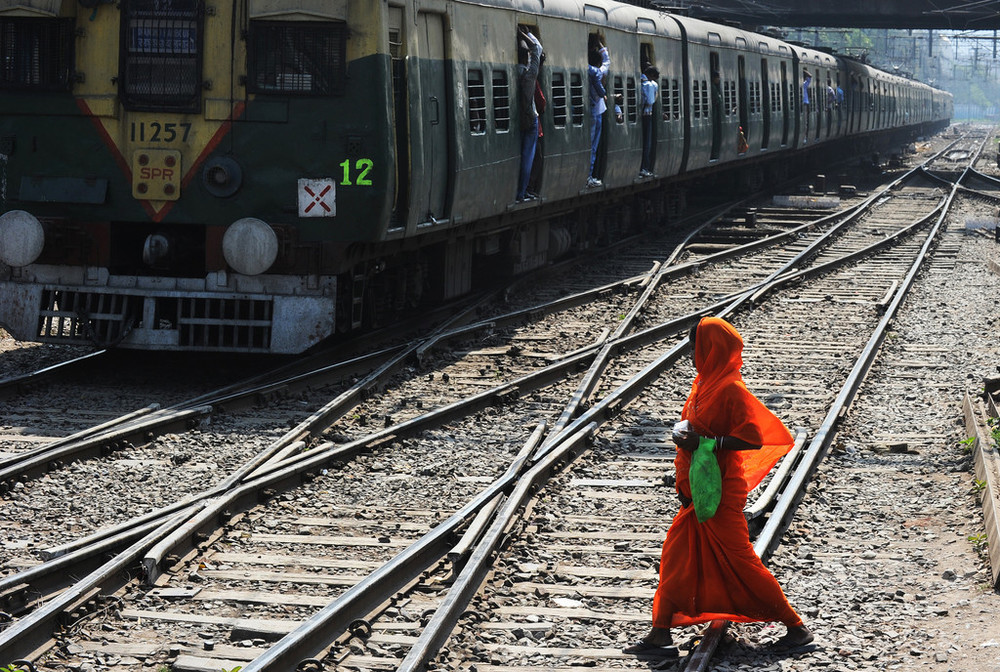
{"type": "Point", "coordinates": [317, 198]}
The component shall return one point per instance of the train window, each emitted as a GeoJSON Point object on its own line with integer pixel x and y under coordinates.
{"type": "Point", "coordinates": [728, 97]}
{"type": "Point", "coordinates": [501, 101]}
{"type": "Point", "coordinates": [395, 43]}
{"type": "Point", "coordinates": [696, 98]}
{"type": "Point", "coordinates": [675, 90]}
{"type": "Point", "coordinates": [631, 100]}
{"type": "Point", "coordinates": [559, 99]}
{"type": "Point", "coordinates": [161, 51]}
{"type": "Point", "coordinates": [476, 93]}
{"type": "Point", "coordinates": [37, 53]}
{"type": "Point", "coordinates": [618, 96]}
{"type": "Point", "coordinates": [304, 58]}
{"type": "Point", "coordinates": [576, 97]}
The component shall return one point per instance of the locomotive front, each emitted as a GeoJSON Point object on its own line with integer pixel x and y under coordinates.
{"type": "Point", "coordinates": [188, 176]}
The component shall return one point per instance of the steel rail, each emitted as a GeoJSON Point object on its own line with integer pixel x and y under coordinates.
{"type": "Point", "coordinates": [14, 383]}
{"type": "Point", "coordinates": [980, 194]}
{"type": "Point", "coordinates": [321, 629]}
{"type": "Point", "coordinates": [984, 177]}
{"type": "Point", "coordinates": [440, 626]}
{"type": "Point", "coordinates": [7, 460]}
{"type": "Point", "coordinates": [272, 475]}
{"type": "Point", "coordinates": [27, 635]}
{"type": "Point", "coordinates": [143, 425]}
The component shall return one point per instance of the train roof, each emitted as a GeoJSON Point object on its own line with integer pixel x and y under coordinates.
{"type": "Point", "coordinates": [619, 16]}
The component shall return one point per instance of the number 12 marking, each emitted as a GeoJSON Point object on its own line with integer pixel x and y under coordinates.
{"type": "Point", "coordinates": [363, 167]}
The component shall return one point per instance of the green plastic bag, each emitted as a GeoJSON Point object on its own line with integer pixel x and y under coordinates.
{"type": "Point", "coordinates": [705, 479]}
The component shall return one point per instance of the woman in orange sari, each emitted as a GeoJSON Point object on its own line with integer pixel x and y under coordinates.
{"type": "Point", "coordinates": [709, 570]}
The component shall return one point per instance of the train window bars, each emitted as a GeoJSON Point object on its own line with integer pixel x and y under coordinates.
{"type": "Point", "coordinates": [631, 100]}
{"type": "Point", "coordinates": [476, 94]}
{"type": "Point", "coordinates": [161, 55]}
{"type": "Point", "coordinates": [501, 101]}
{"type": "Point", "coordinates": [619, 100]}
{"type": "Point", "coordinates": [297, 58]}
{"type": "Point", "coordinates": [729, 97]}
{"type": "Point", "coordinates": [36, 54]}
{"type": "Point", "coordinates": [559, 99]}
{"type": "Point", "coordinates": [666, 99]}
{"type": "Point", "coordinates": [576, 97]}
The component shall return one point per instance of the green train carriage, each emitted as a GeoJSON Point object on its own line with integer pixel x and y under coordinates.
{"type": "Point", "coordinates": [256, 175]}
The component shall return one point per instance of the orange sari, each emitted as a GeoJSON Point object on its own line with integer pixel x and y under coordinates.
{"type": "Point", "coordinates": [709, 570]}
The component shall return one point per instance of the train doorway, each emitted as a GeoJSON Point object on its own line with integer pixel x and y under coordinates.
{"type": "Point", "coordinates": [397, 54]}
{"type": "Point", "coordinates": [432, 108]}
{"type": "Point", "coordinates": [766, 105]}
{"type": "Point", "coordinates": [786, 101]}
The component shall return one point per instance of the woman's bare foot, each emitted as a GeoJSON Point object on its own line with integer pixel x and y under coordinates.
{"type": "Point", "coordinates": [796, 636]}
{"type": "Point", "coordinates": [659, 637]}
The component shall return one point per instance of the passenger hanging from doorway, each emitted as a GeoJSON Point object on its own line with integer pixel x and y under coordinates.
{"type": "Point", "coordinates": [535, 181]}
{"type": "Point", "coordinates": [597, 70]}
{"type": "Point", "coordinates": [840, 106]}
{"type": "Point", "coordinates": [831, 102]}
{"type": "Point", "coordinates": [529, 51]}
{"type": "Point", "coordinates": [806, 81]}
{"type": "Point", "coordinates": [742, 146]}
{"type": "Point", "coordinates": [649, 88]}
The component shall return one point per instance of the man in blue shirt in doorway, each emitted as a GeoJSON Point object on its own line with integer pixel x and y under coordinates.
{"type": "Point", "coordinates": [597, 70]}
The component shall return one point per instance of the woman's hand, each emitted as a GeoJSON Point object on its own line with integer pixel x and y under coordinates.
{"type": "Point", "coordinates": [684, 436]}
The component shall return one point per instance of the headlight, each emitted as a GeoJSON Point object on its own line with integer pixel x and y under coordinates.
{"type": "Point", "coordinates": [21, 238]}
{"type": "Point", "coordinates": [250, 246]}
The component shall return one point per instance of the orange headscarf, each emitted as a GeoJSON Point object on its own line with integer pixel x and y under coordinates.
{"type": "Point", "coordinates": [721, 405]}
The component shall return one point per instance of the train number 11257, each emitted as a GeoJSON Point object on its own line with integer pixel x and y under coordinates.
{"type": "Point", "coordinates": [155, 131]}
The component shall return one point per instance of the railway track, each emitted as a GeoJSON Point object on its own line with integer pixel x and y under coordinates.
{"type": "Point", "coordinates": [373, 509]}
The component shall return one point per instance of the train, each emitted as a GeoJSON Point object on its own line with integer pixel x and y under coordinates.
{"type": "Point", "coordinates": [257, 176]}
